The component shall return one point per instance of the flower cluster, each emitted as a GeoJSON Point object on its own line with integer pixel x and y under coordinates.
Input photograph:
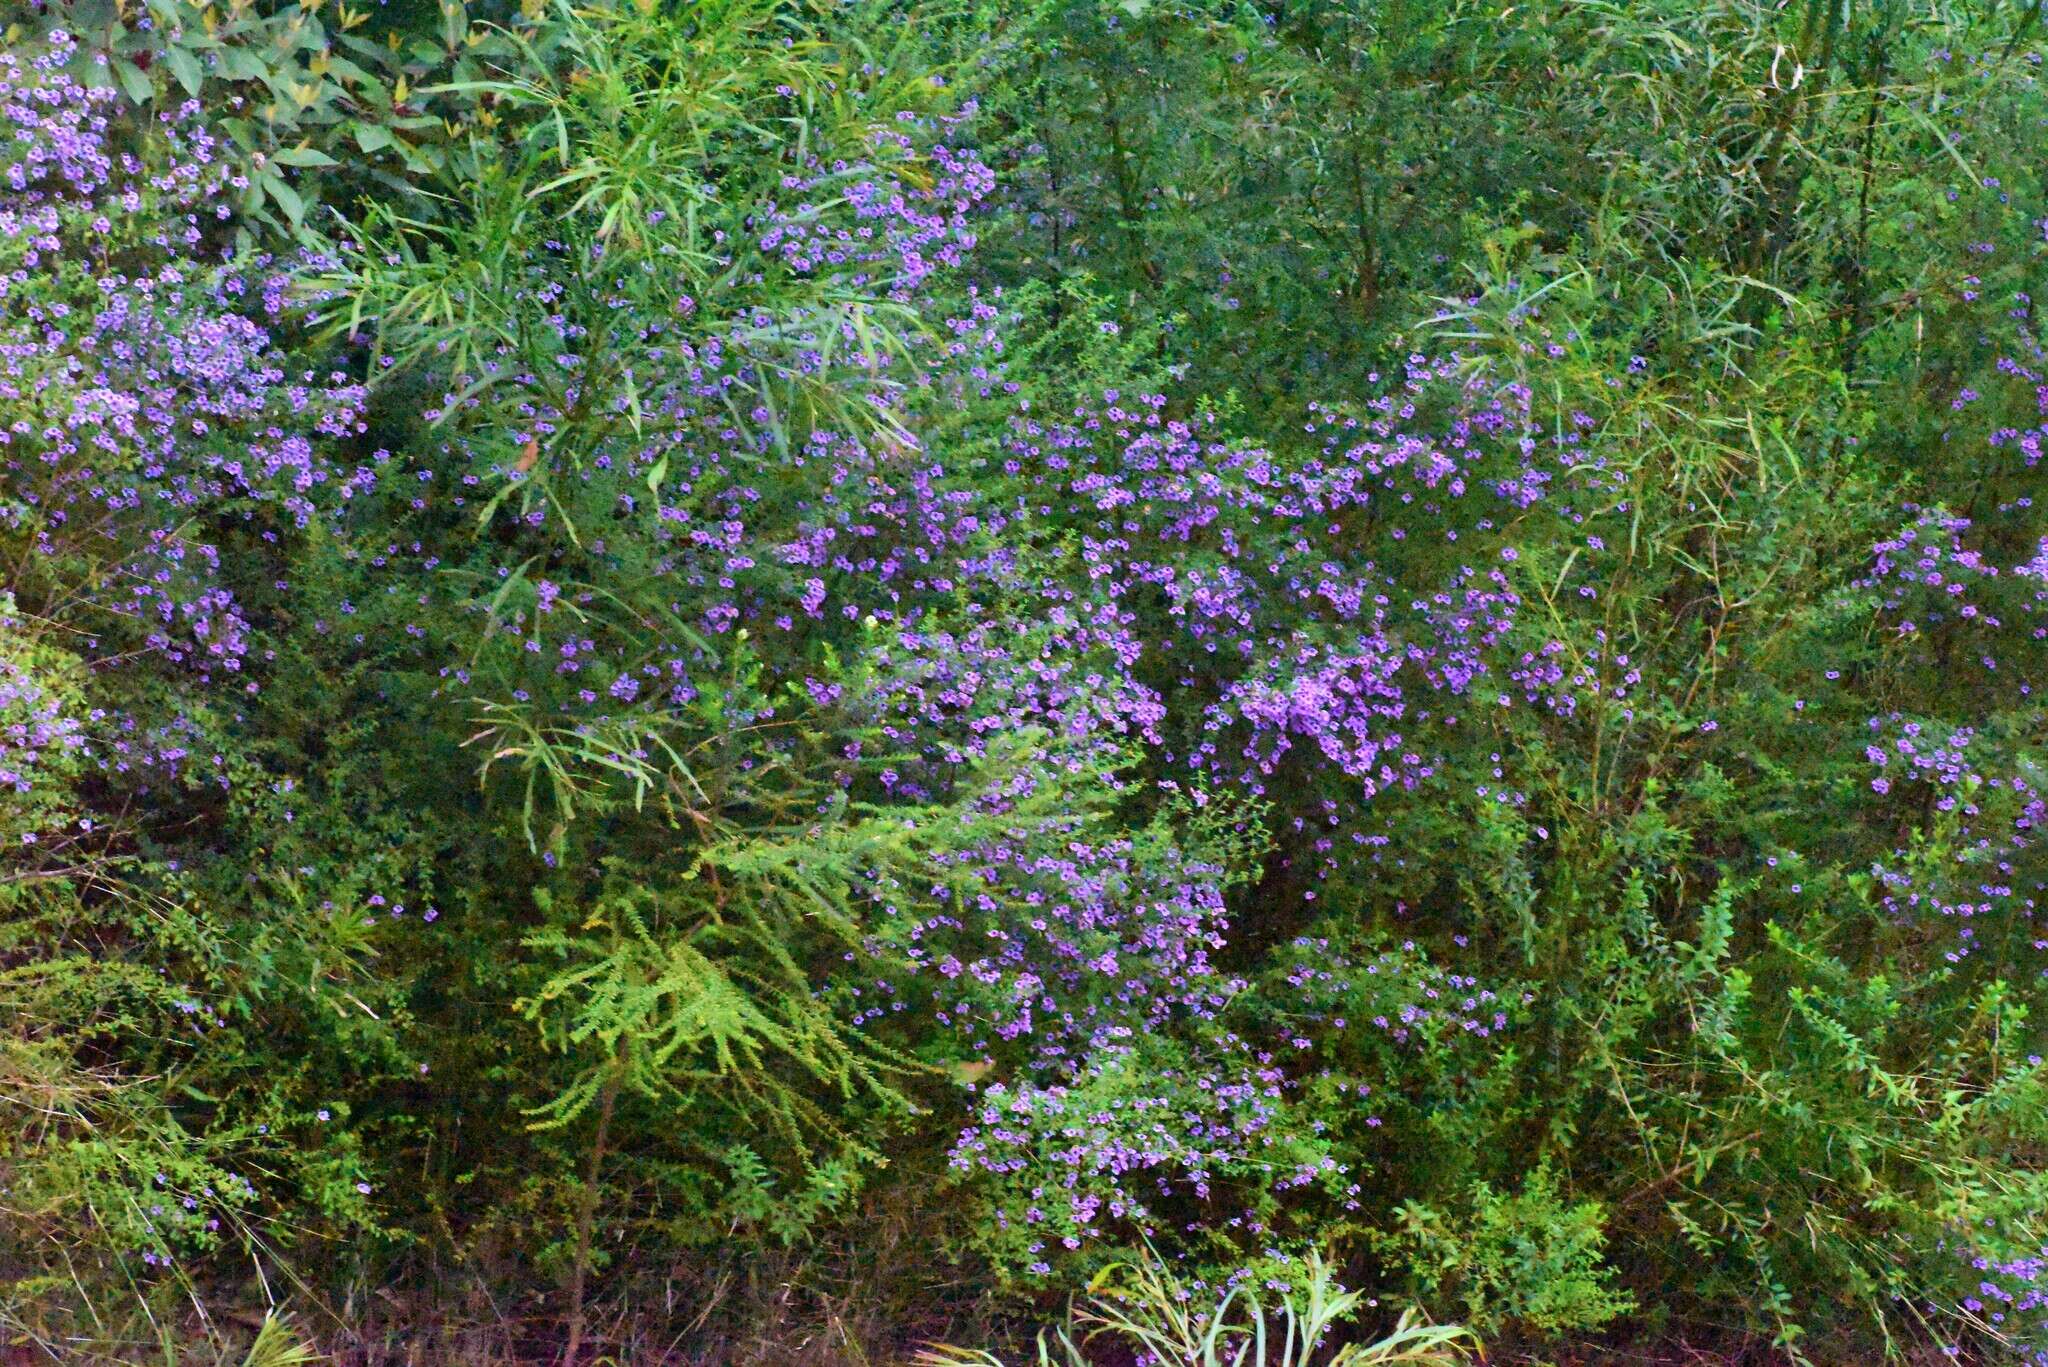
{"type": "Point", "coordinates": [149, 411]}
{"type": "Point", "coordinates": [33, 726]}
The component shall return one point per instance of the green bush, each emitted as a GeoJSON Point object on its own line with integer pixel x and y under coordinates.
{"type": "Point", "coordinates": [1525, 1259]}
{"type": "Point", "coordinates": [761, 681]}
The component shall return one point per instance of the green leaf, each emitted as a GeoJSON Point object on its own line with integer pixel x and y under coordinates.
{"type": "Point", "coordinates": [238, 63]}
{"type": "Point", "coordinates": [302, 156]}
{"type": "Point", "coordinates": [347, 70]}
{"type": "Point", "coordinates": [286, 198]}
{"type": "Point", "coordinates": [185, 67]}
{"type": "Point", "coordinates": [133, 81]}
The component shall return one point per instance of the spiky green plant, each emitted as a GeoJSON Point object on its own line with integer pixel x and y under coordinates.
{"type": "Point", "coordinates": [1145, 1307]}
{"type": "Point", "coordinates": [277, 1344]}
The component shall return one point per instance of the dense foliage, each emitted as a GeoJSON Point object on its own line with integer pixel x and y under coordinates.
{"type": "Point", "coordinates": [774, 681]}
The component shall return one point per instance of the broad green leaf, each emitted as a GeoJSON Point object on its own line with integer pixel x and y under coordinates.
{"type": "Point", "coordinates": [133, 81]}
{"type": "Point", "coordinates": [302, 156]}
{"type": "Point", "coordinates": [185, 67]}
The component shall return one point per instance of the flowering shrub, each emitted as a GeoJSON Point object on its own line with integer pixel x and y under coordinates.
{"type": "Point", "coordinates": [158, 452]}
{"type": "Point", "coordinates": [650, 635]}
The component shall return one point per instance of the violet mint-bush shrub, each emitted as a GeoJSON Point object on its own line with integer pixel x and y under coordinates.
{"type": "Point", "coordinates": [705, 664]}
{"type": "Point", "coordinates": [858, 714]}
{"type": "Point", "coordinates": [1758, 996]}
{"type": "Point", "coordinates": [805, 783]}
{"type": "Point", "coordinates": [1645, 525]}
{"type": "Point", "coordinates": [1534, 680]}
{"type": "Point", "coordinates": [1551, 638]}
{"type": "Point", "coordinates": [162, 458]}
